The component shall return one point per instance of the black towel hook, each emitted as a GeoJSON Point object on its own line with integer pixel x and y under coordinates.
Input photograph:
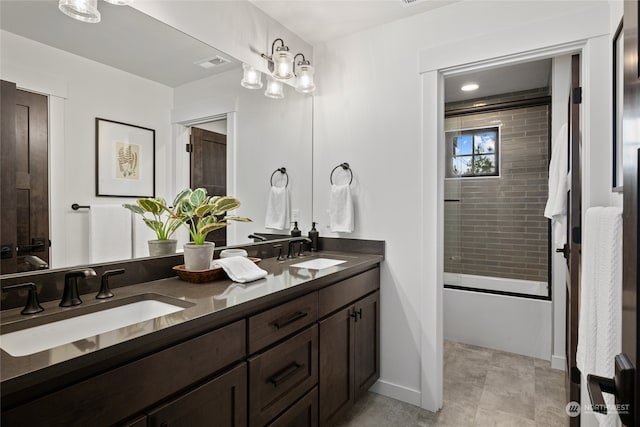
{"type": "Point", "coordinates": [283, 171]}
{"type": "Point", "coordinates": [76, 206]}
{"type": "Point", "coordinates": [345, 166]}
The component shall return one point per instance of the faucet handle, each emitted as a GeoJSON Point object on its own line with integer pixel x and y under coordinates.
{"type": "Point", "coordinates": [32, 306]}
{"type": "Point", "coordinates": [279, 247]}
{"type": "Point", "coordinates": [105, 292]}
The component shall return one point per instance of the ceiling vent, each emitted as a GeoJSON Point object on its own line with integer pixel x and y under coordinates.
{"type": "Point", "coordinates": [216, 61]}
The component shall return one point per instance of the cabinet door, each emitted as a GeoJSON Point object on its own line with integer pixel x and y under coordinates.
{"type": "Point", "coordinates": [303, 413]}
{"type": "Point", "coordinates": [220, 402]}
{"type": "Point", "coordinates": [367, 343]}
{"type": "Point", "coordinates": [336, 366]}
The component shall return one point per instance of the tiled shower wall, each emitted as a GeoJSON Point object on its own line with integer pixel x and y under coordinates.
{"type": "Point", "coordinates": [497, 228]}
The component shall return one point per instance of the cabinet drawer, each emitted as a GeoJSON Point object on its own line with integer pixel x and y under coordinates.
{"type": "Point", "coordinates": [335, 296]}
{"type": "Point", "coordinates": [117, 394]}
{"type": "Point", "coordinates": [279, 376]}
{"type": "Point", "coordinates": [272, 325]}
{"type": "Point", "coordinates": [303, 413]}
{"type": "Point", "coordinates": [220, 402]}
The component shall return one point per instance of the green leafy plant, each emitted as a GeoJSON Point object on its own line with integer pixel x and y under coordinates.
{"type": "Point", "coordinates": [202, 214]}
{"type": "Point", "coordinates": [157, 215]}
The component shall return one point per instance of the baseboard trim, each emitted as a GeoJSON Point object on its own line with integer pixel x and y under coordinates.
{"type": "Point", "coordinates": [558, 362]}
{"type": "Point", "coordinates": [397, 392]}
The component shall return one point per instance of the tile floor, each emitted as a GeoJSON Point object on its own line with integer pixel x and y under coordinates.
{"type": "Point", "coordinates": [482, 387]}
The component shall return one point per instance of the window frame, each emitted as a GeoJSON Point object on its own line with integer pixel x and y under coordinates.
{"type": "Point", "coordinates": [473, 131]}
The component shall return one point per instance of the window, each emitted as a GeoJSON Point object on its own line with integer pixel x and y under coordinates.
{"type": "Point", "coordinates": [472, 153]}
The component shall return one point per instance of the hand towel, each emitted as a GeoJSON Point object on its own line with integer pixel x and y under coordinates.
{"type": "Point", "coordinates": [240, 269]}
{"type": "Point", "coordinates": [600, 318]}
{"type": "Point", "coordinates": [109, 233]}
{"type": "Point", "coordinates": [341, 212]}
{"type": "Point", "coordinates": [556, 208]}
{"type": "Point", "coordinates": [277, 216]}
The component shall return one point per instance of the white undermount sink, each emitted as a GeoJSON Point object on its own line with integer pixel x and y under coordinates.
{"type": "Point", "coordinates": [318, 263]}
{"type": "Point", "coordinates": [49, 335]}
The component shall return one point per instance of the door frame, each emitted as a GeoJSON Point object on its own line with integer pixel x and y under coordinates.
{"type": "Point", "coordinates": [434, 65]}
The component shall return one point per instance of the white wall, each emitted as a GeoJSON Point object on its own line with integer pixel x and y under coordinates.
{"type": "Point", "coordinates": [266, 134]}
{"type": "Point", "coordinates": [81, 90]}
{"type": "Point", "coordinates": [375, 111]}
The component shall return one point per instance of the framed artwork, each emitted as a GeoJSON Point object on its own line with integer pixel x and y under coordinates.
{"type": "Point", "coordinates": [125, 160]}
{"type": "Point", "coordinates": [618, 101]}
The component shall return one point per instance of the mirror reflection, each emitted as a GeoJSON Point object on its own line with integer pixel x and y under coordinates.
{"type": "Point", "coordinates": [133, 70]}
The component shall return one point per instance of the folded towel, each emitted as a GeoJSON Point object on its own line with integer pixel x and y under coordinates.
{"type": "Point", "coordinates": [240, 269]}
{"type": "Point", "coordinates": [600, 320]}
{"type": "Point", "coordinates": [109, 233]}
{"type": "Point", "coordinates": [277, 216]}
{"type": "Point", "coordinates": [556, 208]}
{"type": "Point", "coordinates": [341, 212]}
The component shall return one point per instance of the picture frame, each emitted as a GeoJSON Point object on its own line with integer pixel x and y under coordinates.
{"type": "Point", "coordinates": [125, 159]}
{"type": "Point", "coordinates": [617, 104]}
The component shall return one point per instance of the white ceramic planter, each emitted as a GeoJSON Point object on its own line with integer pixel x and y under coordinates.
{"type": "Point", "coordinates": [162, 247]}
{"type": "Point", "coordinates": [198, 257]}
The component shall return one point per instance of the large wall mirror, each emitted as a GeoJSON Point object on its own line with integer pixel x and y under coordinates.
{"type": "Point", "coordinates": [134, 70]}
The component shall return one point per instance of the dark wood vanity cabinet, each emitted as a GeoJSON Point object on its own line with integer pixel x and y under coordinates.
{"type": "Point", "coordinates": [300, 363]}
{"type": "Point", "coordinates": [349, 356]}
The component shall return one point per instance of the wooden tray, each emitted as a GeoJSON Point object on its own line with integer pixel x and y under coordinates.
{"type": "Point", "coordinates": [204, 276]}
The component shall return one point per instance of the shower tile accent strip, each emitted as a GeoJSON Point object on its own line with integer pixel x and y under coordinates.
{"type": "Point", "coordinates": [498, 228]}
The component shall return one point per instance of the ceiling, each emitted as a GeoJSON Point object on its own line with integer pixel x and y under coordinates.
{"type": "Point", "coordinates": [125, 38]}
{"type": "Point", "coordinates": [318, 21]}
{"type": "Point", "coordinates": [497, 81]}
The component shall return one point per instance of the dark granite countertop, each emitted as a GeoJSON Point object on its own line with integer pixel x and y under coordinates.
{"type": "Point", "coordinates": [208, 306]}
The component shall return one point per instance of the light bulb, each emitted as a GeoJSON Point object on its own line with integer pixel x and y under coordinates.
{"type": "Point", "coordinates": [282, 63]}
{"type": "Point", "coordinates": [305, 83]}
{"type": "Point", "coordinates": [251, 78]}
{"type": "Point", "coordinates": [82, 10]}
{"type": "Point", "coordinates": [275, 89]}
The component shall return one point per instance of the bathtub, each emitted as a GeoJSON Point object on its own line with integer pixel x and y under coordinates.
{"type": "Point", "coordinates": [502, 322]}
{"type": "Point", "coordinates": [525, 287]}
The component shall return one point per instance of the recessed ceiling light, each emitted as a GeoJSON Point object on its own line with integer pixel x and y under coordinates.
{"type": "Point", "coordinates": [469, 87]}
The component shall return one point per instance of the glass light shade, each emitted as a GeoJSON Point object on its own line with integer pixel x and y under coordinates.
{"type": "Point", "coordinates": [305, 82]}
{"type": "Point", "coordinates": [82, 10]}
{"type": "Point", "coordinates": [275, 88]}
{"type": "Point", "coordinates": [251, 78]}
{"type": "Point", "coordinates": [282, 64]}
{"type": "Point", "coordinates": [119, 2]}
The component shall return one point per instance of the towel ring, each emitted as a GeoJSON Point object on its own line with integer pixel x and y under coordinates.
{"type": "Point", "coordinates": [344, 166]}
{"type": "Point", "coordinates": [282, 170]}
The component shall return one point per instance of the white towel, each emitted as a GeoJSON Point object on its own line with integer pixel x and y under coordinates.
{"type": "Point", "coordinates": [240, 269]}
{"type": "Point", "coordinates": [277, 216]}
{"type": "Point", "coordinates": [341, 212]}
{"type": "Point", "coordinates": [556, 209]}
{"type": "Point", "coordinates": [600, 319]}
{"type": "Point", "coordinates": [109, 233]}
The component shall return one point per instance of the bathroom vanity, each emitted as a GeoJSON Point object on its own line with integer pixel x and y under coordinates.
{"type": "Point", "coordinates": [297, 348]}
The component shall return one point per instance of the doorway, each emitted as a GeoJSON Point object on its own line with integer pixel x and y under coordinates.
{"type": "Point", "coordinates": [208, 165]}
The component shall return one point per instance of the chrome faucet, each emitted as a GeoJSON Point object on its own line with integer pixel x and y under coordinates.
{"type": "Point", "coordinates": [70, 295]}
{"type": "Point", "coordinates": [292, 242]}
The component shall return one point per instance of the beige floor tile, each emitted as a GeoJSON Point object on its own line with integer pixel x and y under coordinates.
{"type": "Point", "coordinates": [487, 418]}
{"type": "Point", "coordinates": [519, 403]}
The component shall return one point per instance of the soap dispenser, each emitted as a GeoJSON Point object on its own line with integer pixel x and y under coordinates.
{"type": "Point", "coordinates": [313, 235]}
{"type": "Point", "coordinates": [296, 231]}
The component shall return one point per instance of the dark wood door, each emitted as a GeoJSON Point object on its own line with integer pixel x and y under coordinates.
{"type": "Point", "coordinates": [367, 343]}
{"type": "Point", "coordinates": [209, 169]}
{"type": "Point", "coordinates": [574, 214]}
{"type": "Point", "coordinates": [631, 184]}
{"type": "Point", "coordinates": [25, 192]}
{"type": "Point", "coordinates": [220, 402]}
{"type": "Point", "coordinates": [336, 366]}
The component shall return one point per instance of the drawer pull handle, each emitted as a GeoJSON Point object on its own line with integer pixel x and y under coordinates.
{"type": "Point", "coordinates": [284, 374]}
{"type": "Point", "coordinates": [295, 316]}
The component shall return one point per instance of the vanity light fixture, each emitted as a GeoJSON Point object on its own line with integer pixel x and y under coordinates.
{"type": "Point", "coordinates": [280, 61]}
{"type": "Point", "coordinates": [470, 87]}
{"type": "Point", "coordinates": [304, 75]}
{"type": "Point", "coordinates": [82, 10]}
{"type": "Point", "coordinates": [275, 88]}
{"type": "Point", "coordinates": [251, 78]}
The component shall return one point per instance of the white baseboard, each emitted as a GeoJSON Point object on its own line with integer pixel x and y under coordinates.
{"type": "Point", "coordinates": [558, 362]}
{"type": "Point", "coordinates": [397, 392]}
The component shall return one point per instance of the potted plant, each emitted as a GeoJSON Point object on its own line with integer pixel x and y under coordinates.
{"type": "Point", "coordinates": [202, 214]}
{"type": "Point", "coordinates": [162, 220]}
